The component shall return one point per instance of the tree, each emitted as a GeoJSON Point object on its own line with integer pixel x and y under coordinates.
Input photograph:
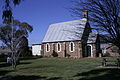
{"type": "Point", "coordinates": [15, 34]}
{"type": "Point", "coordinates": [24, 48]}
{"type": "Point", "coordinates": [7, 8]}
{"type": "Point", "coordinates": [104, 16]}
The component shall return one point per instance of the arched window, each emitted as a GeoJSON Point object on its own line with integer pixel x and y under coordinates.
{"type": "Point", "coordinates": [47, 47]}
{"type": "Point", "coordinates": [58, 47]}
{"type": "Point", "coordinates": [71, 47]}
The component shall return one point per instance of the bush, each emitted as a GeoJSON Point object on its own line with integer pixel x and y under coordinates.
{"type": "Point", "coordinates": [25, 52]}
{"type": "Point", "coordinates": [106, 54]}
{"type": "Point", "coordinates": [54, 54]}
{"type": "Point", "coordinates": [2, 55]}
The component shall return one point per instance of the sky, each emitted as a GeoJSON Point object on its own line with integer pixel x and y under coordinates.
{"type": "Point", "coordinates": [40, 14]}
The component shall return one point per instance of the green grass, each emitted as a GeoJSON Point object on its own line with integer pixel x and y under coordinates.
{"type": "Point", "coordinates": [59, 69]}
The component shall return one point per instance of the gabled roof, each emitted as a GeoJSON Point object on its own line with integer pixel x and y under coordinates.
{"type": "Point", "coordinates": [92, 37]}
{"type": "Point", "coordinates": [65, 31]}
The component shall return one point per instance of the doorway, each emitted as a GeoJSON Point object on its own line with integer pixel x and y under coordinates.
{"type": "Point", "coordinates": [89, 49]}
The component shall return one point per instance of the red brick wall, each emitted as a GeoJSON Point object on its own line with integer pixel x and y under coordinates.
{"type": "Point", "coordinates": [77, 53]}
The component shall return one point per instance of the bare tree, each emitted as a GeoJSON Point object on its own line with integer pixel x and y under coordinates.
{"type": "Point", "coordinates": [104, 16]}
{"type": "Point", "coordinates": [12, 35]}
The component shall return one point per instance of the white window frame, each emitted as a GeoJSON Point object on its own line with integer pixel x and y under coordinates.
{"type": "Point", "coordinates": [57, 47]}
{"type": "Point", "coordinates": [71, 46]}
{"type": "Point", "coordinates": [48, 46]}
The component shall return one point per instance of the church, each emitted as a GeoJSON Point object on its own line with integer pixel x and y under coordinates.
{"type": "Point", "coordinates": [73, 39]}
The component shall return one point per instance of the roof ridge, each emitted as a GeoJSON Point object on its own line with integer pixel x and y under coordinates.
{"type": "Point", "coordinates": [84, 19]}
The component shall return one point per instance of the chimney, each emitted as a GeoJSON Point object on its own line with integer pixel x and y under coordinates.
{"type": "Point", "coordinates": [85, 13]}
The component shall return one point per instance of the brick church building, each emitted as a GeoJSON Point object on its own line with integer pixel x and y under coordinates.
{"type": "Point", "coordinates": [71, 39]}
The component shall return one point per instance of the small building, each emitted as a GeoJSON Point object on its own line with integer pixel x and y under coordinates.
{"type": "Point", "coordinates": [71, 39]}
{"type": "Point", "coordinates": [36, 49]}
{"type": "Point", "coordinates": [108, 49]}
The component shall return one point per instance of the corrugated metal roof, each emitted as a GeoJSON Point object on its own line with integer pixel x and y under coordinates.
{"type": "Point", "coordinates": [65, 31]}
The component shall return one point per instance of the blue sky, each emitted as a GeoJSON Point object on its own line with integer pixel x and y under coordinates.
{"type": "Point", "coordinates": [40, 14]}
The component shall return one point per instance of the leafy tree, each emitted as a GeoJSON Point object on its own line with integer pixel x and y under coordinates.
{"type": "Point", "coordinates": [14, 35]}
{"type": "Point", "coordinates": [10, 34]}
{"type": "Point", "coordinates": [24, 48]}
{"type": "Point", "coordinates": [104, 15]}
{"type": "Point", "coordinates": [7, 8]}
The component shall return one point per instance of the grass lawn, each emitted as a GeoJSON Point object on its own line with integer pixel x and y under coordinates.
{"type": "Point", "coordinates": [59, 69]}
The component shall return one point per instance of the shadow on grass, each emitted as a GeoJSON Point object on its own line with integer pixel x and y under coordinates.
{"type": "Point", "coordinates": [7, 65]}
{"type": "Point", "coordinates": [24, 63]}
{"type": "Point", "coordinates": [4, 72]}
{"type": "Point", "coordinates": [2, 59]}
{"type": "Point", "coordinates": [22, 78]}
{"type": "Point", "coordinates": [100, 74]}
{"type": "Point", "coordinates": [54, 78]}
{"type": "Point", "coordinates": [28, 78]}
{"type": "Point", "coordinates": [30, 58]}
{"type": "Point", "coordinates": [4, 65]}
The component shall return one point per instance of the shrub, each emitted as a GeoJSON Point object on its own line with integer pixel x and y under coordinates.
{"type": "Point", "coordinates": [106, 54]}
{"type": "Point", "coordinates": [54, 54]}
{"type": "Point", "coordinates": [25, 52]}
{"type": "Point", "coordinates": [2, 55]}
